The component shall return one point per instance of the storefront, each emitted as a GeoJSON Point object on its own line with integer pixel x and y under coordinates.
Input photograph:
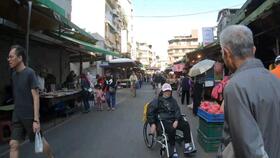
{"type": "Point", "coordinates": [54, 42]}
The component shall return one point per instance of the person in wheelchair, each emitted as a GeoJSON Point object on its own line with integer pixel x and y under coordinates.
{"type": "Point", "coordinates": [166, 107]}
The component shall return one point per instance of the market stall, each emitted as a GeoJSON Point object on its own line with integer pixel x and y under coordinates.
{"type": "Point", "coordinates": [62, 101]}
{"type": "Point", "coordinates": [51, 98]}
{"type": "Point", "coordinates": [210, 112]}
{"type": "Point", "coordinates": [122, 68]}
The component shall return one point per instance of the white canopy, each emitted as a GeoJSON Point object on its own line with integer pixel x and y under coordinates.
{"type": "Point", "coordinates": [121, 60]}
{"type": "Point", "coordinates": [201, 67]}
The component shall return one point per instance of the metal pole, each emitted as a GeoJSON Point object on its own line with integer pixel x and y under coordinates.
{"type": "Point", "coordinates": [277, 46]}
{"type": "Point", "coordinates": [81, 63]}
{"type": "Point", "coordinates": [28, 30]}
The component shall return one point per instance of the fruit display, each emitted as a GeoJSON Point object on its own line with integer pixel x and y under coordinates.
{"type": "Point", "coordinates": [211, 107]}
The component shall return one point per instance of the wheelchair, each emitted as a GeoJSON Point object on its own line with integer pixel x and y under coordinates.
{"type": "Point", "coordinates": [161, 138]}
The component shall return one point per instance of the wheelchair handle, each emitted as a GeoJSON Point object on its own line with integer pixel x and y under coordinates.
{"type": "Point", "coordinates": [158, 116]}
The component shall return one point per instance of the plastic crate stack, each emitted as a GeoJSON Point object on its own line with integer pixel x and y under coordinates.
{"type": "Point", "coordinates": [209, 133]}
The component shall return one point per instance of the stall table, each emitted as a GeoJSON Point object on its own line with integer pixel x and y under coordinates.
{"type": "Point", "coordinates": [56, 97]}
{"type": "Point", "coordinates": [51, 99]}
{"type": "Point", "coordinates": [6, 111]}
{"type": "Point", "coordinates": [124, 82]}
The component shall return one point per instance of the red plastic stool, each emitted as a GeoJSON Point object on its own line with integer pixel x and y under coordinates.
{"type": "Point", "coordinates": [4, 124]}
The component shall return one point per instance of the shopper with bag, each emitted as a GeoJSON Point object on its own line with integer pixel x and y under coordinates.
{"type": "Point", "coordinates": [186, 87]}
{"type": "Point", "coordinates": [110, 89]}
{"type": "Point", "coordinates": [86, 92]}
{"type": "Point", "coordinates": [251, 99]}
{"type": "Point", "coordinates": [25, 120]}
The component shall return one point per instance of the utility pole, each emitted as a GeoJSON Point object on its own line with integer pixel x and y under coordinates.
{"type": "Point", "coordinates": [28, 31]}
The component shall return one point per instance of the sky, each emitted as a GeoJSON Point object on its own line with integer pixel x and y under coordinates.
{"type": "Point", "coordinates": [157, 31]}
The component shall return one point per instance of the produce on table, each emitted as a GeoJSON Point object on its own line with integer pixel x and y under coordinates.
{"type": "Point", "coordinates": [211, 107]}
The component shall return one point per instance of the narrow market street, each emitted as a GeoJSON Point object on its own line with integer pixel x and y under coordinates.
{"type": "Point", "coordinates": [116, 134]}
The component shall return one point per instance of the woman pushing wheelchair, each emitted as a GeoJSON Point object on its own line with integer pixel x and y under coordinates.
{"type": "Point", "coordinates": [166, 108]}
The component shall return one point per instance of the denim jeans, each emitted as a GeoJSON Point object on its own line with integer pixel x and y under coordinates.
{"type": "Point", "coordinates": [111, 99]}
{"type": "Point", "coordinates": [85, 98]}
{"type": "Point", "coordinates": [86, 103]}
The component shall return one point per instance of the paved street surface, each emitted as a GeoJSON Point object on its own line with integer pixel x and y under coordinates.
{"type": "Point", "coordinates": [116, 134]}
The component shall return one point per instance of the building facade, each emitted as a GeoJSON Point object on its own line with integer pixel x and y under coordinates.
{"type": "Point", "coordinates": [162, 64]}
{"type": "Point", "coordinates": [101, 17]}
{"type": "Point", "coordinates": [145, 55]}
{"type": "Point", "coordinates": [224, 17]}
{"type": "Point", "coordinates": [127, 41]}
{"type": "Point", "coordinates": [179, 46]}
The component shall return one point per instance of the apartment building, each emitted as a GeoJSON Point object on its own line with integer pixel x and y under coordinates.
{"type": "Point", "coordinates": [127, 40]}
{"type": "Point", "coordinates": [180, 45]}
{"type": "Point", "coordinates": [224, 17]}
{"type": "Point", "coordinates": [101, 17]}
{"type": "Point", "coordinates": [145, 55]}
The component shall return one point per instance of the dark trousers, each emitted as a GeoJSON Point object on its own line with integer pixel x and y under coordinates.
{"type": "Point", "coordinates": [187, 94]}
{"type": "Point", "coordinates": [182, 125]}
{"type": "Point", "coordinates": [197, 96]}
{"type": "Point", "coordinates": [85, 97]}
{"type": "Point", "coordinates": [86, 103]}
{"type": "Point", "coordinates": [140, 83]}
{"type": "Point", "coordinates": [111, 99]}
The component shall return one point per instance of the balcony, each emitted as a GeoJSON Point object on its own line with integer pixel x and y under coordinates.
{"type": "Point", "coordinates": [112, 3]}
{"type": "Point", "coordinates": [112, 26]}
{"type": "Point", "coordinates": [116, 12]}
{"type": "Point", "coordinates": [110, 37]}
{"type": "Point", "coordinates": [170, 47]}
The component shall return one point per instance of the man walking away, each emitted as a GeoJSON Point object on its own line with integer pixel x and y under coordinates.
{"type": "Point", "coordinates": [185, 85]}
{"type": "Point", "coordinates": [26, 118]}
{"type": "Point", "coordinates": [197, 92]}
{"type": "Point", "coordinates": [276, 71]}
{"type": "Point", "coordinates": [251, 99]}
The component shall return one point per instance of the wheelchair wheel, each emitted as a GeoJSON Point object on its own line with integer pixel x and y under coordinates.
{"type": "Point", "coordinates": [148, 139]}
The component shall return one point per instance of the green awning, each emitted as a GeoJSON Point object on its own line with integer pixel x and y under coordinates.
{"type": "Point", "coordinates": [46, 16]}
{"type": "Point", "coordinates": [59, 14]}
{"type": "Point", "coordinates": [52, 5]}
{"type": "Point", "coordinates": [265, 6]}
{"type": "Point", "coordinates": [241, 18]}
{"type": "Point", "coordinates": [90, 47]}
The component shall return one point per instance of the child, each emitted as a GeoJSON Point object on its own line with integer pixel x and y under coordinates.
{"type": "Point", "coordinates": [100, 98]}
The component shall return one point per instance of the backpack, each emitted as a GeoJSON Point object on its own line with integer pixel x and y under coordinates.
{"type": "Point", "coordinates": [145, 111]}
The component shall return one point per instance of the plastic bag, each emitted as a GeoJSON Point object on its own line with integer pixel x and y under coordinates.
{"type": "Point", "coordinates": [38, 143]}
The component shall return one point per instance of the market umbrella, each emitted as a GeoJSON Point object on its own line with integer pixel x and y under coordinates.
{"type": "Point", "coordinates": [201, 67]}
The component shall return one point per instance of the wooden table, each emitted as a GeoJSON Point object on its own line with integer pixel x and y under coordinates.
{"type": "Point", "coordinates": [6, 111]}
{"type": "Point", "coordinates": [124, 82]}
{"type": "Point", "coordinates": [50, 99]}
{"type": "Point", "coordinates": [7, 107]}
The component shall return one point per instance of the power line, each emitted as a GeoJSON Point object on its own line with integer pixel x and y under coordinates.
{"type": "Point", "coordinates": [181, 15]}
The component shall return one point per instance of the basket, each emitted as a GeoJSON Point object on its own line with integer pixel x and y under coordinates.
{"type": "Point", "coordinates": [211, 129]}
{"type": "Point", "coordinates": [210, 117]}
{"type": "Point", "coordinates": [207, 143]}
